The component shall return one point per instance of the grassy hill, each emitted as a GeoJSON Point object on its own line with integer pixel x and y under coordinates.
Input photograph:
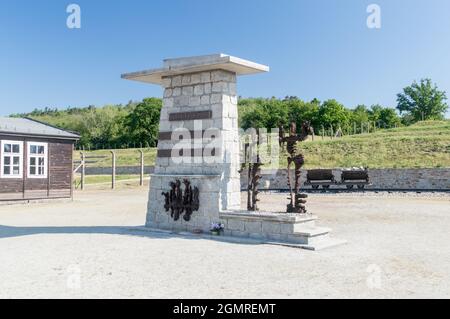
{"type": "Point", "coordinates": [423, 145]}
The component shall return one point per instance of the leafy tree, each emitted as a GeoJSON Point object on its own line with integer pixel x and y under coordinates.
{"type": "Point", "coordinates": [300, 111]}
{"type": "Point", "coordinates": [332, 113]}
{"type": "Point", "coordinates": [263, 113]}
{"type": "Point", "coordinates": [143, 122]}
{"type": "Point", "coordinates": [383, 116]}
{"type": "Point", "coordinates": [423, 101]}
{"type": "Point", "coordinates": [389, 118]}
{"type": "Point", "coordinates": [360, 115]}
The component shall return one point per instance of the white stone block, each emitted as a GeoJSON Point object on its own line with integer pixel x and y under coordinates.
{"type": "Point", "coordinates": [221, 75]}
{"type": "Point", "coordinates": [204, 221]}
{"type": "Point", "coordinates": [217, 111]}
{"type": "Point", "coordinates": [164, 114]}
{"type": "Point", "coordinates": [187, 91]}
{"type": "Point", "coordinates": [287, 228]}
{"type": "Point", "coordinates": [271, 227]}
{"type": "Point", "coordinates": [232, 88]}
{"type": "Point", "coordinates": [168, 102]}
{"type": "Point", "coordinates": [191, 125]}
{"type": "Point", "coordinates": [236, 224]}
{"type": "Point", "coordinates": [195, 78]}
{"type": "Point", "coordinates": [166, 82]}
{"type": "Point", "coordinates": [275, 237]}
{"type": "Point", "coordinates": [205, 99]}
{"type": "Point", "coordinates": [194, 101]}
{"type": "Point", "coordinates": [207, 88]}
{"type": "Point", "coordinates": [181, 100]}
{"type": "Point", "coordinates": [210, 185]}
{"type": "Point", "coordinates": [152, 194]}
{"type": "Point", "coordinates": [227, 124]}
{"type": "Point", "coordinates": [186, 79]}
{"type": "Point", "coordinates": [176, 91]}
{"type": "Point", "coordinates": [232, 111]}
{"type": "Point", "coordinates": [198, 89]}
{"type": "Point", "coordinates": [162, 218]}
{"type": "Point", "coordinates": [221, 87]}
{"type": "Point", "coordinates": [253, 227]}
{"type": "Point", "coordinates": [164, 125]}
{"type": "Point", "coordinates": [156, 182]}
{"type": "Point", "coordinates": [216, 98]}
{"type": "Point", "coordinates": [217, 123]}
{"type": "Point", "coordinates": [168, 92]}
{"type": "Point", "coordinates": [176, 80]}
{"type": "Point", "coordinates": [205, 77]}
{"type": "Point", "coordinates": [162, 161]}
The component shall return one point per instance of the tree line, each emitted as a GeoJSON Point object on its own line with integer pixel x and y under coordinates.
{"type": "Point", "coordinates": [136, 123]}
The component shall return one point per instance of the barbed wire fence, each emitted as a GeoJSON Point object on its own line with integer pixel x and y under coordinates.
{"type": "Point", "coordinates": [338, 130]}
{"type": "Point", "coordinates": [323, 132]}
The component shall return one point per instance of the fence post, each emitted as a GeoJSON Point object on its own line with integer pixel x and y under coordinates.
{"type": "Point", "coordinates": [141, 179]}
{"type": "Point", "coordinates": [323, 133]}
{"type": "Point", "coordinates": [113, 171]}
{"type": "Point", "coordinates": [83, 170]}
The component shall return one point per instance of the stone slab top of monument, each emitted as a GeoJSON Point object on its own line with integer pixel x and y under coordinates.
{"type": "Point", "coordinates": [193, 64]}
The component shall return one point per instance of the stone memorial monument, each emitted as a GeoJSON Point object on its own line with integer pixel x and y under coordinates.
{"type": "Point", "coordinates": [196, 181]}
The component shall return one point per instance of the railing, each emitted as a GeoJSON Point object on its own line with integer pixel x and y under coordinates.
{"type": "Point", "coordinates": [86, 159]}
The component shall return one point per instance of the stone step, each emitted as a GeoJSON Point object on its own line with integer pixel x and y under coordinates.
{"type": "Point", "coordinates": [325, 243]}
{"type": "Point", "coordinates": [304, 222]}
{"type": "Point", "coordinates": [267, 216]}
{"type": "Point", "coordinates": [319, 242]}
{"type": "Point", "coordinates": [306, 231]}
{"type": "Point", "coordinates": [309, 235]}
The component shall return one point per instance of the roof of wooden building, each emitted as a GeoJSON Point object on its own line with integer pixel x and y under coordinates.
{"type": "Point", "coordinates": [30, 127]}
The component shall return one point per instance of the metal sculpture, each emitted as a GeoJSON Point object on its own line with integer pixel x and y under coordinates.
{"type": "Point", "coordinates": [254, 175]}
{"type": "Point", "coordinates": [180, 202]}
{"type": "Point", "coordinates": [297, 200]}
{"type": "Point", "coordinates": [254, 172]}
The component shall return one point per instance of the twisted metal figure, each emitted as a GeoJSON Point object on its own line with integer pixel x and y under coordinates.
{"type": "Point", "coordinates": [297, 200]}
{"type": "Point", "coordinates": [254, 173]}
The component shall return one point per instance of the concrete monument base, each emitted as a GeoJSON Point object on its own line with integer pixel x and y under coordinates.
{"type": "Point", "coordinates": [283, 229]}
{"type": "Point", "coordinates": [264, 227]}
{"type": "Point", "coordinates": [280, 228]}
{"type": "Point", "coordinates": [209, 196]}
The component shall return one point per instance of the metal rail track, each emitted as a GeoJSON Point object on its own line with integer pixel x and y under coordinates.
{"type": "Point", "coordinates": [366, 190]}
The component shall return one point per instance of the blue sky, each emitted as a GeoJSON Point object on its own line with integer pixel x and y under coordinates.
{"type": "Point", "coordinates": [319, 48]}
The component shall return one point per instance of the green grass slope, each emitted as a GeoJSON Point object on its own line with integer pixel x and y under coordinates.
{"type": "Point", "coordinates": [423, 145]}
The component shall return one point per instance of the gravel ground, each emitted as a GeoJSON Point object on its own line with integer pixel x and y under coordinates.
{"type": "Point", "coordinates": [399, 246]}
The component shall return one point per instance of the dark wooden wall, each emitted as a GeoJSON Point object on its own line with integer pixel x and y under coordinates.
{"type": "Point", "coordinates": [58, 183]}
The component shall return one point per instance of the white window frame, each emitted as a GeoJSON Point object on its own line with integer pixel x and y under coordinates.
{"type": "Point", "coordinates": [37, 156]}
{"type": "Point", "coordinates": [11, 156]}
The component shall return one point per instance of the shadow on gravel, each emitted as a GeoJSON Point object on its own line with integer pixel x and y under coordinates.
{"type": "Point", "coordinates": [137, 231]}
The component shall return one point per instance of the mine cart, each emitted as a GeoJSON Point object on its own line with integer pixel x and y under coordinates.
{"type": "Point", "coordinates": [320, 177]}
{"type": "Point", "coordinates": [351, 178]}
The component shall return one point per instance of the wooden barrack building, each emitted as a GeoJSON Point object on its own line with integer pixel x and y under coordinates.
{"type": "Point", "coordinates": [35, 160]}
